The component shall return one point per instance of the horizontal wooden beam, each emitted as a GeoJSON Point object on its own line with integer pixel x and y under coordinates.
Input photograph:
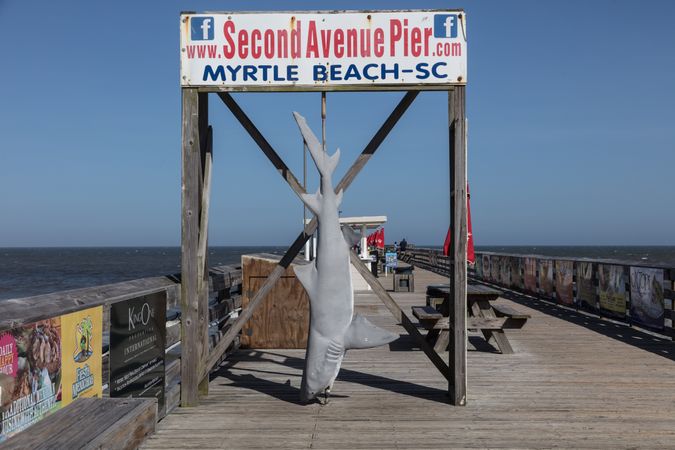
{"type": "Point", "coordinates": [321, 88]}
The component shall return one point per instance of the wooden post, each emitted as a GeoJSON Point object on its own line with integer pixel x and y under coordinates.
{"type": "Point", "coordinates": [458, 224]}
{"type": "Point", "coordinates": [190, 338]}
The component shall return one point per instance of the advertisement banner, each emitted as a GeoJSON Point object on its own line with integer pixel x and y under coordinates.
{"type": "Point", "coordinates": [479, 266]}
{"type": "Point", "coordinates": [516, 278]}
{"type": "Point", "coordinates": [312, 50]}
{"type": "Point", "coordinates": [505, 271]}
{"type": "Point", "coordinates": [30, 374]}
{"type": "Point", "coordinates": [494, 268]}
{"type": "Point", "coordinates": [137, 343]}
{"type": "Point", "coordinates": [391, 260]}
{"type": "Point", "coordinates": [81, 344]}
{"type": "Point", "coordinates": [530, 276]}
{"type": "Point", "coordinates": [646, 297]}
{"type": "Point", "coordinates": [486, 267]}
{"type": "Point", "coordinates": [586, 292]}
{"type": "Point", "coordinates": [546, 277]}
{"type": "Point", "coordinates": [612, 289]}
{"type": "Point", "coordinates": [564, 282]}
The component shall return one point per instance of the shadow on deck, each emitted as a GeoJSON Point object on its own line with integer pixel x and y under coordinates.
{"type": "Point", "coordinates": [288, 392]}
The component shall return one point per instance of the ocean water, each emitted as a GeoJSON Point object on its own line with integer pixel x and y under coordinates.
{"type": "Point", "coordinates": [33, 271]}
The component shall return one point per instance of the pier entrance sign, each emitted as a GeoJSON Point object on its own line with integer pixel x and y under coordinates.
{"type": "Point", "coordinates": [323, 50]}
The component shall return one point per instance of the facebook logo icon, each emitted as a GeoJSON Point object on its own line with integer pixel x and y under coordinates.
{"type": "Point", "coordinates": [201, 28]}
{"type": "Point", "coordinates": [445, 25]}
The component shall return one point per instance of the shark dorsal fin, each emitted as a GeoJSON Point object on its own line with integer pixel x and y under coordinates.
{"type": "Point", "coordinates": [363, 334]}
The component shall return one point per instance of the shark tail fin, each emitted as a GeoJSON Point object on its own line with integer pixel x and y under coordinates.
{"type": "Point", "coordinates": [324, 163]}
{"type": "Point", "coordinates": [363, 334]}
{"type": "Point", "coordinates": [306, 273]}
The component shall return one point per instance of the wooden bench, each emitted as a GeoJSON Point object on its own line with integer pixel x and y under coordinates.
{"type": "Point", "coordinates": [91, 423]}
{"type": "Point", "coordinates": [483, 314]}
{"type": "Point", "coordinates": [515, 319]}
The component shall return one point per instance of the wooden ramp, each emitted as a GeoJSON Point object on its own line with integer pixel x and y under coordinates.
{"type": "Point", "coordinates": [574, 381]}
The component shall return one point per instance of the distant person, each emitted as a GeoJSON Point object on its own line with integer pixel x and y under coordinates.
{"type": "Point", "coordinates": [395, 246]}
{"type": "Point", "coordinates": [403, 245]}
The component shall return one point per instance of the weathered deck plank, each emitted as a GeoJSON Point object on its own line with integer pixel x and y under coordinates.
{"type": "Point", "coordinates": [573, 381]}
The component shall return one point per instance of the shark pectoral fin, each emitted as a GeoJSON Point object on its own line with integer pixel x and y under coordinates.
{"type": "Point", "coordinates": [351, 236]}
{"type": "Point", "coordinates": [313, 202]}
{"type": "Point", "coordinates": [363, 334]}
{"type": "Point", "coordinates": [306, 273]}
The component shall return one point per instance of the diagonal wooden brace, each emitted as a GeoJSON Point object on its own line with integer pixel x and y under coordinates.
{"type": "Point", "coordinates": [309, 229]}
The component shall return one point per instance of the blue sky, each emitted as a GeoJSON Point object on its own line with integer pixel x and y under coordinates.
{"type": "Point", "coordinates": [571, 135]}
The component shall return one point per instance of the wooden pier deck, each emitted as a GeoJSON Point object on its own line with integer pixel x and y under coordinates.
{"type": "Point", "coordinates": [574, 381]}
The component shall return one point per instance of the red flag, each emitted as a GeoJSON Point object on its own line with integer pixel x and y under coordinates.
{"type": "Point", "coordinates": [379, 238]}
{"type": "Point", "coordinates": [470, 252]}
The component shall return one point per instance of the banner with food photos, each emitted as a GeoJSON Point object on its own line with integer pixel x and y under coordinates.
{"type": "Point", "coordinates": [30, 374]}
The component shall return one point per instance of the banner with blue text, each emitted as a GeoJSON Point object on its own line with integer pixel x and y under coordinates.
{"type": "Point", "coordinates": [323, 50]}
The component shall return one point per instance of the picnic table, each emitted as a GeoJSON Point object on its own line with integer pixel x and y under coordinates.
{"type": "Point", "coordinates": [483, 314]}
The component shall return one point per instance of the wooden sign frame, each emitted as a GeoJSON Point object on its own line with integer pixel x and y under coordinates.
{"type": "Point", "coordinates": [197, 147]}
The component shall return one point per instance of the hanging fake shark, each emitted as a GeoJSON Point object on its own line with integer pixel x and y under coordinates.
{"type": "Point", "coordinates": [333, 327]}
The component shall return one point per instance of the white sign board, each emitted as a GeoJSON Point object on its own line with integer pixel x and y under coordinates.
{"type": "Point", "coordinates": [323, 50]}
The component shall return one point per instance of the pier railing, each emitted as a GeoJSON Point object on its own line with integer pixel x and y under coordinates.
{"type": "Point", "coordinates": [636, 294]}
{"type": "Point", "coordinates": [224, 307]}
